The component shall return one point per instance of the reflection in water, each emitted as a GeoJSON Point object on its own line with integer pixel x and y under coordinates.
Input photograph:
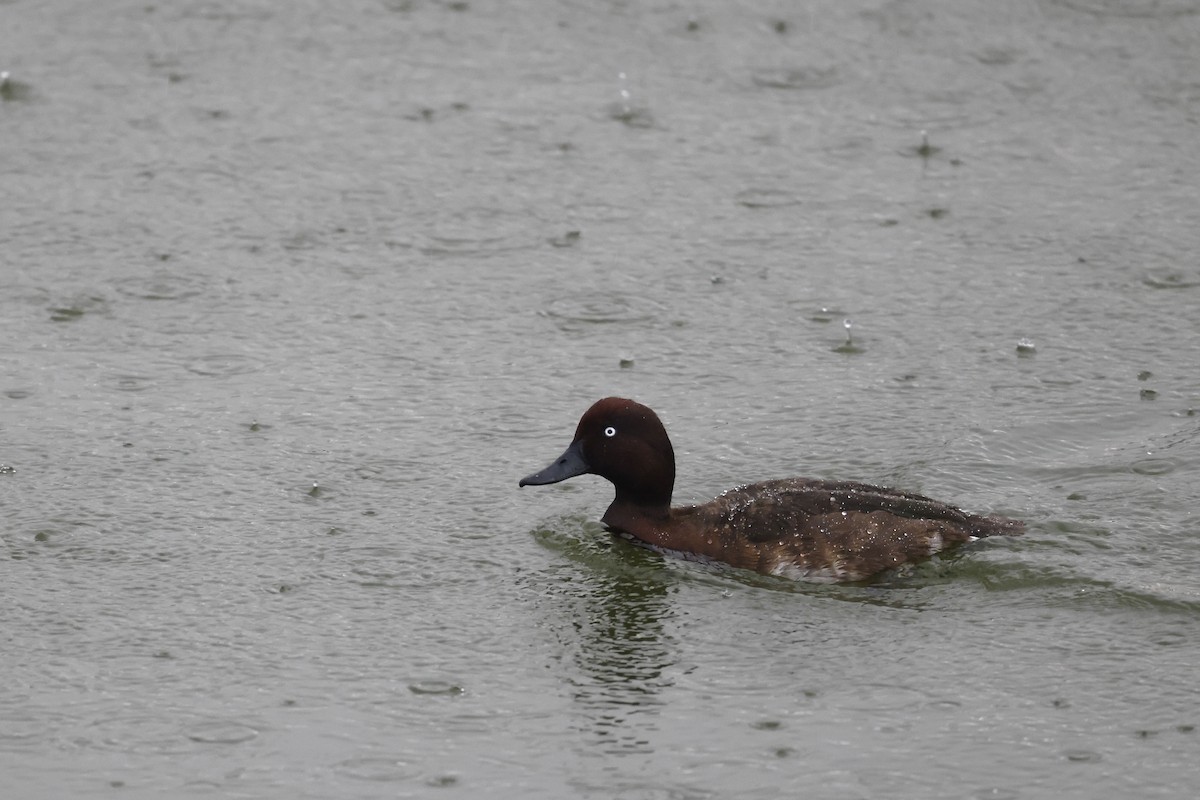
{"type": "Point", "coordinates": [608, 613]}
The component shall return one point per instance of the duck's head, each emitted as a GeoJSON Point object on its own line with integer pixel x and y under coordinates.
{"type": "Point", "coordinates": [624, 442]}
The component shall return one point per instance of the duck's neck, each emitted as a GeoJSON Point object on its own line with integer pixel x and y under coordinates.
{"type": "Point", "coordinates": [653, 524]}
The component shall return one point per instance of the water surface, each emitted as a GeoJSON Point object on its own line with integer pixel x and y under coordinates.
{"type": "Point", "coordinates": [292, 297]}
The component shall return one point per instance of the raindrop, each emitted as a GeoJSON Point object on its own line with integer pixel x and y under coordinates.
{"type": "Point", "coordinates": [925, 150]}
{"type": "Point", "coordinates": [848, 346]}
{"type": "Point", "coordinates": [11, 89]}
{"type": "Point", "coordinates": [627, 111]}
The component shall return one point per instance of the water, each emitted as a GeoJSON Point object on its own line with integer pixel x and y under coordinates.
{"type": "Point", "coordinates": [292, 297]}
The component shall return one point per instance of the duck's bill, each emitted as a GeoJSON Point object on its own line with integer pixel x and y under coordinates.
{"type": "Point", "coordinates": [568, 465]}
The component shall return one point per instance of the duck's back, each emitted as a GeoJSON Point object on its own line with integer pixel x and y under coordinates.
{"type": "Point", "coordinates": [835, 530]}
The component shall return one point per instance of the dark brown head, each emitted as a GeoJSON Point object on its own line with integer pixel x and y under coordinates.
{"type": "Point", "coordinates": [624, 442]}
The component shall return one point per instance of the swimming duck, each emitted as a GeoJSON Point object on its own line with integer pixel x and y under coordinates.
{"type": "Point", "coordinates": [799, 528]}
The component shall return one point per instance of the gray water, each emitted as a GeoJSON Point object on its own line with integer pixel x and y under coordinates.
{"type": "Point", "coordinates": [291, 294]}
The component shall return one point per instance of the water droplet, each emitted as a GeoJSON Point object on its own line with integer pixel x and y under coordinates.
{"type": "Point", "coordinates": [627, 111]}
{"type": "Point", "coordinates": [848, 346]}
{"type": "Point", "coordinates": [13, 90]}
{"type": "Point", "coordinates": [925, 149]}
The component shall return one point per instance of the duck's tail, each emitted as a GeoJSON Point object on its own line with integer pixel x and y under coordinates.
{"type": "Point", "coordinates": [996, 526]}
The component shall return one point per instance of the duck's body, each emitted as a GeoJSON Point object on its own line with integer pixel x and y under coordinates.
{"type": "Point", "coordinates": [801, 528]}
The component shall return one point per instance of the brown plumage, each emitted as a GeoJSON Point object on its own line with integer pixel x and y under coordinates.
{"type": "Point", "coordinates": [801, 528]}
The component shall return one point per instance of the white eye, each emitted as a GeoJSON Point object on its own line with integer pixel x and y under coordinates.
{"type": "Point", "coordinates": [610, 431]}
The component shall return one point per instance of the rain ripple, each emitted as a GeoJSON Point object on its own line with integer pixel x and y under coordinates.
{"type": "Point", "coordinates": [797, 78]}
{"type": "Point", "coordinates": [376, 768]}
{"type": "Point", "coordinates": [145, 734]}
{"type": "Point", "coordinates": [223, 365]}
{"type": "Point", "coordinates": [162, 286]}
{"type": "Point", "coordinates": [1170, 279]}
{"type": "Point", "coordinates": [1145, 9]}
{"type": "Point", "coordinates": [577, 313]}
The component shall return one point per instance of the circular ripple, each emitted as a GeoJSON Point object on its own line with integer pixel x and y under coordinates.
{"type": "Point", "coordinates": [882, 697]}
{"type": "Point", "coordinates": [435, 687]}
{"type": "Point", "coordinates": [796, 78]}
{"type": "Point", "coordinates": [376, 768]}
{"type": "Point", "coordinates": [472, 245]}
{"type": "Point", "coordinates": [221, 365]}
{"type": "Point", "coordinates": [1149, 9]}
{"type": "Point", "coordinates": [606, 309]}
{"type": "Point", "coordinates": [136, 734]}
{"type": "Point", "coordinates": [1153, 466]}
{"type": "Point", "coordinates": [161, 286]}
{"type": "Point", "coordinates": [1170, 279]}
{"type": "Point", "coordinates": [766, 198]}
{"type": "Point", "coordinates": [128, 383]}
{"type": "Point", "coordinates": [480, 230]}
{"type": "Point", "coordinates": [826, 314]}
{"type": "Point", "coordinates": [221, 732]}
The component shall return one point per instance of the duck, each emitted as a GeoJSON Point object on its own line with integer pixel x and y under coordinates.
{"type": "Point", "coordinates": [808, 529]}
